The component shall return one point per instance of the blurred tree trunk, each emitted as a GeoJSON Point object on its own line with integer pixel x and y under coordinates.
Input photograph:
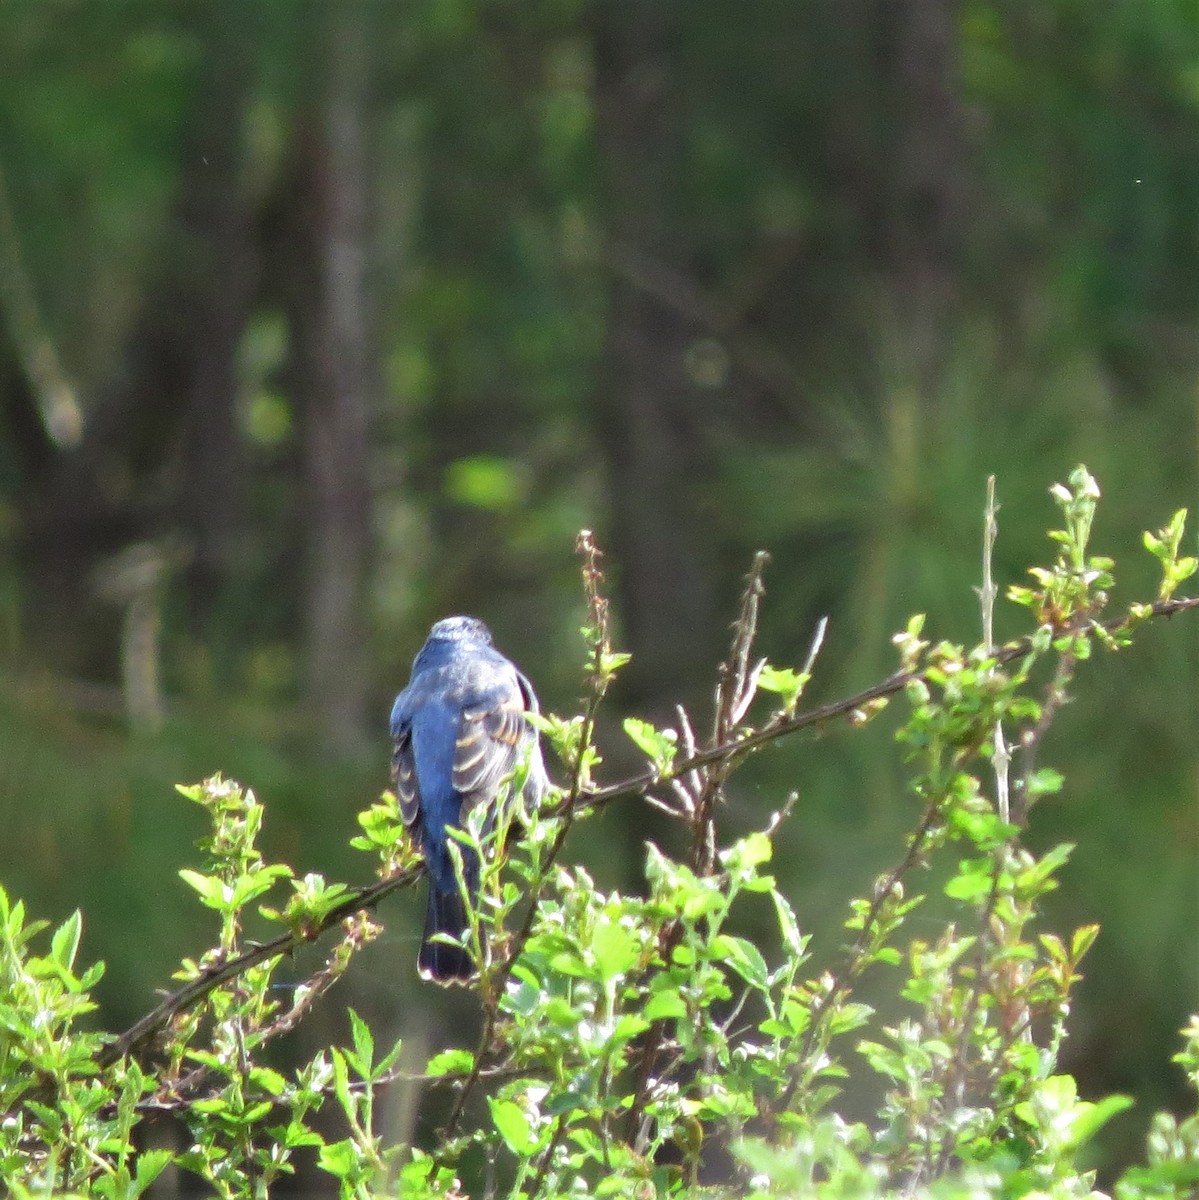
{"type": "Point", "coordinates": [650, 413]}
{"type": "Point", "coordinates": [918, 218]}
{"type": "Point", "coordinates": [217, 261]}
{"type": "Point", "coordinates": [928, 174]}
{"type": "Point", "coordinates": [175, 404]}
{"type": "Point", "coordinates": [332, 370]}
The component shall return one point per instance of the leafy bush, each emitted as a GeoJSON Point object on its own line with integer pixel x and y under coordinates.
{"type": "Point", "coordinates": [640, 1045]}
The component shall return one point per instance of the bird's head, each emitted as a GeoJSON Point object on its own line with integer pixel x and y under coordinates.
{"type": "Point", "coordinates": [460, 629]}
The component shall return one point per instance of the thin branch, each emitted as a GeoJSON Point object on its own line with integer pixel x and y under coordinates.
{"type": "Point", "coordinates": [1002, 757]}
{"type": "Point", "coordinates": [1056, 695]}
{"type": "Point", "coordinates": [547, 1158]}
{"type": "Point", "coordinates": [959, 1070]}
{"type": "Point", "coordinates": [815, 646]}
{"type": "Point", "coordinates": [734, 694]}
{"type": "Point", "coordinates": [141, 1033]}
{"type": "Point", "coordinates": [840, 980]}
{"type": "Point", "coordinates": [639, 784]}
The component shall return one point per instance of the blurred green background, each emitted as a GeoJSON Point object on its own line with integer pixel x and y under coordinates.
{"type": "Point", "coordinates": [319, 321]}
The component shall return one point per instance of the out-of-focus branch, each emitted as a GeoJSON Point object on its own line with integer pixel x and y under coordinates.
{"type": "Point", "coordinates": [56, 400]}
{"type": "Point", "coordinates": [727, 323]}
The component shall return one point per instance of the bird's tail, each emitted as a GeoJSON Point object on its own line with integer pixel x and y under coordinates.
{"type": "Point", "coordinates": [438, 960]}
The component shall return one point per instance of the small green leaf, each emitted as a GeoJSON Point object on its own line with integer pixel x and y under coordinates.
{"type": "Point", "coordinates": [364, 1042]}
{"type": "Point", "coordinates": [1045, 782]}
{"type": "Point", "coordinates": [210, 889]}
{"type": "Point", "coordinates": [567, 962]}
{"type": "Point", "coordinates": [611, 661]}
{"type": "Point", "coordinates": [783, 682]}
{"type": "Point", "coordinates": [743, 956]}
{"type": "Point", "coordinates": [972, 883]}
{"type": "Point", "coordinates": [269, 1080]}
{"type": "Point", "coordinates": [629, 1026]}
{"type": "Point", "coordinates": [1083, 939]}
{"type": "Point", "coordinates": [65, 942]}
{"type": "Point", "coordinates": [658, 745]}
{"type": "Point", "coordinates": [1090, 1118]}
{"type": "Point", "coordinates": [1036, 876]}
{"type": "Point", "coordinates": [513, 1126]}
{"type": "Point", "coordinates": [485, 481]}
{"type": "Point", "coordinates": [751, 851]}
{"type": "Point", "coordinates": [250, 887]}
{"type": "Point", "coordinates": [614, 948]}
{"type": "Point", "coordinates": [450, 1062]}
{"type": "Point", "coordinates": [150, 1164]}
{"type": "Point", "coordinates": [793, 942]}
{"type": "Point", "coordinates": [341, 1079]}
{"type": "Point", "coordinates": [664, 1004]}
{"type": "Point", "coordinates": [339, 1159]}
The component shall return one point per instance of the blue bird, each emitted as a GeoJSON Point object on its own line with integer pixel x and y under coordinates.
{"type": "Point", "coordinates": [459, 730]}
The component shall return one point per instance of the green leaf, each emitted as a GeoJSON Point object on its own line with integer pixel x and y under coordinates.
{"type": "Point", "coordinates": [611, 661]}
{"type": "Point", "coordinates": [567, 962]}
{"type": "Point", "coordinates": [250, 887]}
{"type": "Point", "coordinates": [150, 1164]}
{"type": "Point", "coordinates": [211, 890]}
{"type": "Point", "coordinates": [1035, 877]}
{"type": "Point", "coordinates": [658, 745]}
{"type": "Point", "coordinates": [664, 1004]}
{"type": "Point", "coordinates": [450, 1062]}
{"type": "Point", "coordinates": [1045, 782]}
{"type": "Point", "coordinates": [614, 948]}
{"type": "Point", "coordinates": [341, 1079]}
{"type": "Point", "coordinates": [743, 956]}
{"type": "Point", "coordinates": [486, 481]}
{"type": "Point", "coordinates": [784, 682]}
{"type": "Point", "coordinates": [751, 851]}
{"type": "Point", "coordinates": [269, 1080]}
{"type": "Point", "coordinates": [513, 1126]}
{"type": "Point", "coordinates": [972, 882]}
{"type": "Point", "coordinates": [561, 1102]}
{"type": "Point", "coordinates": [339, 1159]}
{"type": "Point", "coordinates": [1089, 1118]}
{"type": "Point", "coordinates": [1083, 939]}
{"type": "Point", "coordinates": [793, 941]}
{"type": "Point", "coordinates": [65, 943]}
{"type": "Point", "coordinates": [364, 1042]}
{"type": "Point", "coordinates": [627, 1027]}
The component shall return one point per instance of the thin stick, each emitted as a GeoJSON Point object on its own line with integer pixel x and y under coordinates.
{"type": "Point", "coordinates": [1001, 760]}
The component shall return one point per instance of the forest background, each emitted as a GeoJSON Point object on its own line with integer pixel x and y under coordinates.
{"type": "Point", "coordinates": [321, 321]}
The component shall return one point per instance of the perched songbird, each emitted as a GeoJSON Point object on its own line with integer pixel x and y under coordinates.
{"type": "Point", "coordinates": [459, 730]}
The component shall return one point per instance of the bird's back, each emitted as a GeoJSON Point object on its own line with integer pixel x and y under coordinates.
{"type": "Point", "coordinates": [460, 730]}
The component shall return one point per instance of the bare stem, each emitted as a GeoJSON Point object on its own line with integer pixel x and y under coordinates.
{"type": "Point", "coordinates": [1002, 757]}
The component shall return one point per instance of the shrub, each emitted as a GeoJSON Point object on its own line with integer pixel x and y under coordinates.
{"type": "Point", "coordinates": [639, 1045]}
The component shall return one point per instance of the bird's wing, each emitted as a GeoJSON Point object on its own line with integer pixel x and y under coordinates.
{"type": "Point", "coordinates": [403, 764]}
{"type": "Point", "coordinates": [491, 738]}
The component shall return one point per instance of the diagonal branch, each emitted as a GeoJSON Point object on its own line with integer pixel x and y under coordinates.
{"type": "Point", "coordinates": [138, 1037]}
{"type": "Point", "coordinates": [644, 781]}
